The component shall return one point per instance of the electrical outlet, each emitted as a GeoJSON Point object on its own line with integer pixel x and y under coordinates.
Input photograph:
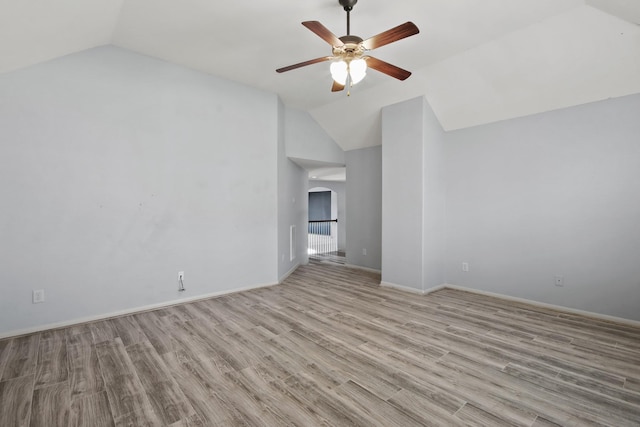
{"type": "Point", "coordinates": [364, 251]}
{"type": "Point", "coordinates": [180, 276]}
{"type": "Point", "coordinates": [38, 296]}
{"type": "Point", "coordinates": [558, 280]}
{"type": "Point", "coordinates": [465, 266]}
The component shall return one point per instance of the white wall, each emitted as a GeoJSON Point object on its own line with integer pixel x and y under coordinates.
{"type": "Point", "coordinates": [292, 205]}
{"type": "Point", "coordinates": [364, 206]}
{"type": "Point", "coordinates": [341, 196]}
{"type": "Point", "coordinates": [552, 194]}
{"type": "Point", "coordinates": [402, 193]}
{"type": "Point", "coordinates": [413, 184]}
{"type": "Point", "coordinates": [305, 140]}
{"type": "Point", "coordinates": [522, 201]}
{"type": "Point", "coordinates": [433, 199]}
{"type": "Point", "coordinates": [308, 145]}
{"type": "Point", "coordinates": [117, 171]}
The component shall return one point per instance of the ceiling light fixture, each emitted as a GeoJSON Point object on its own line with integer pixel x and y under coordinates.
{"type": "Point", "coordinates": [350, 58]}
{"type": "Point", "coordinates": [355, 70]}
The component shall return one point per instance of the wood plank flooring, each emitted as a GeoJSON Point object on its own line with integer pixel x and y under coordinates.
{"type": "Point", "coordinates": [329, 347]}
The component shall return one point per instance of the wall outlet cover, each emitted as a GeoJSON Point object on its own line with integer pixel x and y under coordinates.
{"type": "Point", "coordinates": [38, 296]}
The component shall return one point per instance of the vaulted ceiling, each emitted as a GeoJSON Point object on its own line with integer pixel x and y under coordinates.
{"type": "Point", "coordinates": [475, 61]}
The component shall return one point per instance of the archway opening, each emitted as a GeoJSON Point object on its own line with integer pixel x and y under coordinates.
{"type": "Point", "coordinates": [323, 228]}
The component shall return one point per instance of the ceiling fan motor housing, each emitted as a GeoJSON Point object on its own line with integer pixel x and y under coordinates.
{"type": "Point", "coordinates": [352, 48]}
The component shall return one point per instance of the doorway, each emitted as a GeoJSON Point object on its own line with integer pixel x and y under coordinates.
{"type": "Point", "coordinates": [323, 227]}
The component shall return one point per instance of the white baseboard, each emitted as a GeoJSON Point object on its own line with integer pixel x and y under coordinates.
{"type": "Point", "coordinates": [402, 288]}
{"type": "Point", "coordinates": [570, 310]}
{"type": "Point", "coordinates": [150, 307]}
{"type": "Point", "coordinates": [141, 309]}
{"type": "Point", "coordinates": [289, 273]}
{"type": "Point", "coordinates": [435, 289]}
{"type": "Point", "coordinates": [412, 290]}
{"type": "Point", "coordinates": [516, 299]}
{"type": "Point", "coordinates": [359, 267]}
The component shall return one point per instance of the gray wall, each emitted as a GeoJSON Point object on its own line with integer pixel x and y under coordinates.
{"type": "Point", "coordinates": [306, 143]}
{"type": "Point", "coordinates": [341, 194]}
{"type": "Point", "coordinates": [306, 140]}
{"type": "Point", "coordinates": [521, 201]}
{"type": "Point", "coordinates": [320, 205]}
{"type": "Point", "coordinates": [364, 206]}
{"type": "Point", "coordinates": [433, 199]}
{"type": "Point", "coordinates": [402, 190]}
{"type": "Point", "coordinates": [552, 194]}
{"type": "Point", "coordinates": [117, 172]}
{"type": "Point", "coordinates": [413, 196]}
{"type": "Point", "coordinates": [292, 204]}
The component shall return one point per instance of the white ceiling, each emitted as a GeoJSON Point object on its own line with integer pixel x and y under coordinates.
{"type": "Point", "coordinates": [328, 174]}
{"type": "Point", "coordinates": [475, 61]}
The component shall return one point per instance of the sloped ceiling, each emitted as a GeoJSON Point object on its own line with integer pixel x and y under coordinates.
{"type": "Point", "coordinates": [476, 62]}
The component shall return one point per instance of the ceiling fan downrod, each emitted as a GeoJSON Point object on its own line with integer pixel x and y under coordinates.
{"type": "Point", "coordinates": [348, 6]}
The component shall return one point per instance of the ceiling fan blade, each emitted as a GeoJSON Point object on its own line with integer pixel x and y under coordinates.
{"type": "Point", "coordinates": [305, 63]}
{"type": "Point", "coordinates": [336, 87]}
{"type": "Point", "coordinates": [396, 33]}
{"type": "Point", "coordinates": [323, 32]}
{"type": "Point", "coordinates": [388, 69]}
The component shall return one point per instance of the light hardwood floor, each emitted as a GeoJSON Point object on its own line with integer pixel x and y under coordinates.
{"type": "Point", "coordinates": [328, 347]}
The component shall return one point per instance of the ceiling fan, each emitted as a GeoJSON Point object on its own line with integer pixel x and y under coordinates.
{"type": "Point", "coordinates": [350, 59]}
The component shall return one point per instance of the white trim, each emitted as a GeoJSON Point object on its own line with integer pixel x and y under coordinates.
{"type": "Point", "coordinates": [292, 242]}
{"type": "Point", "coordinates": [289, 273]}
{"type": "Point", "coordinates": [402, 288]}
{"type": "Point", "coordinates": [413, 290]}
{"type": "Point", "coordinates": [150, 307]}
{"type": "Point", "coordinates": [435, 288]}
{"type": "Point", "coordinates": [591, 314]}
{"type": "Point", "coordinates": [561, 308]}
{"type": "Point", "coordinates": [140, 309]}
{"type": "Point", "coordinates": [359, 267]}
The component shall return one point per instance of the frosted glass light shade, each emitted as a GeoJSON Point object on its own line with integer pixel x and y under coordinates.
{"type": "Point", "coordinates": [357, 70]}
{"type": "Point", "coordinates": [339, 71]}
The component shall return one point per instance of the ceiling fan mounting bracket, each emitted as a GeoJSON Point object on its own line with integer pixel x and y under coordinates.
{"type": "Point", "coordinates": [347, 5]}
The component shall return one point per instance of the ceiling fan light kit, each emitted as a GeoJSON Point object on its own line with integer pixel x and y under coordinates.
{"type": "Point", "coordinates": [354, 70]}
{"type": "Point", "coordinates": [349, 53]}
